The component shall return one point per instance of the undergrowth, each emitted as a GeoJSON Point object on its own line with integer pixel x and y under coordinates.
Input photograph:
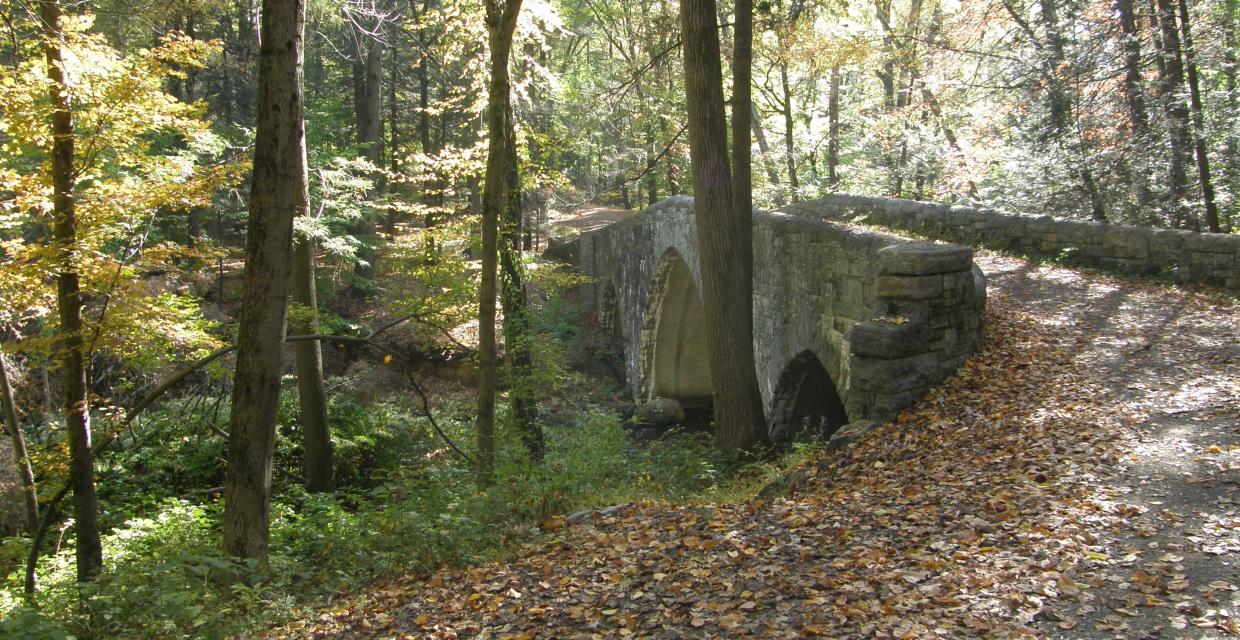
{"type": "Point", "coordinates": [406, 504]}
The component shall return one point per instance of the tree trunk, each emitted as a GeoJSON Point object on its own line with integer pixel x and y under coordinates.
{"type": "Point", "coordinates": [1199, 127]}
{"type": "Point", "coordinates": [248, 39]}
{"type": "Point", "coordinates": [71, 347]}
{"type": "Point", "coordinates": [1231, 67]}
{"type": "Point", "coordinates": [1133, 89]}
{"type": "Point", "coordinates": [194, 222]}
{"type": "Point", "coordinates": [1177, 116]}
{"type": "Point", "coordinates": [742, 140]}
{"type": "Point", "coordinates": [19, 449]}
{"type": "Point", "coordinates": [789, 133]}
{"type": "Point", "coordinates": [370, 136]}
{"type": "Point", "coordinates": [833, 130]}
{"type": "Point", "coordinates": [726, 277]}
{"type": "Point", "coordinates": [277, 193]}
{"type": "Point", "coordinates": [372, 104]}
{"type": "Point", "coordinates": [316, 430]}
{"type": "Point", "coordinates": [501, 22]}
{"type": "Point", "coordinates": [519, 351]}
{"type": "Point", "coordinates": [1059, 103]}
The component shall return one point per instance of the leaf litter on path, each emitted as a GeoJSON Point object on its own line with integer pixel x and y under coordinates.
{"type": "Point", "coordinates": [1076, 478]}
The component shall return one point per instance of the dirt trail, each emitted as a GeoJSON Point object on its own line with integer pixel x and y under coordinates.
{"type": "Point", "coordinates": [1075, 479]}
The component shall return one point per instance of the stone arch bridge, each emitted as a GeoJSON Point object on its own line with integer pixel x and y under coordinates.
{"type": "Point", "coordinates": [849, 324]}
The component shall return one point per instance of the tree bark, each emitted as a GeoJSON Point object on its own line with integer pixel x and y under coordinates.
{"type": "Point", "coordinates": [789, 133]}
{"type": "Point", "coordinates": [742, 138]}
{"type": "Point", "coordinates": [1199, 126]}
{"type": "Point", "coordinates": [1133, 89]}
{"type": "Point", "coordinates": [248, 39]}
{"type": "Point", "coordinates": [194, 221]}
{"type": "Point", "coordinates": [726, 277]}
{"type": "Point", "coordinates": [24, 470]}
{"type": "Point", "coordinates": [318, 461]}
{"type": "Point", "coordinates": [501, 22]}
{"type": "Point", "coordinates": [71, 346]}
{"type": "Point", "coordinates": [370, 136]}
{"type": "Point", "coordinates": [1231, 67]}
{"type": "Point", "coordinates": [276, 194]}
{"type": "Point", "coordinates": [518, 350]}
{"type": "Point", "coordinates": [833, 130]}
{"type": "Point", "coordinates": [742, 131]}
{"type": "Point", "coordinates": [1177, 116]}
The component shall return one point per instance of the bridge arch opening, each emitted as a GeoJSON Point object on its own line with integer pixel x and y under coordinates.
{"type": "Point", "coordinates": [805, 402]}
{"type": "Point", "coordinates": [675, 359]}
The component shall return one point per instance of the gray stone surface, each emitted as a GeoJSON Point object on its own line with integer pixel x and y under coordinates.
{"type": "Point", "coordinates": [903, 314]}
{"type": "Point", "coordinates": [1184, 256]}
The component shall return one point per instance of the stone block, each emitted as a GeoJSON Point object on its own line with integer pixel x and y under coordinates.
{"type": "Point", "coordinates": [889, 340]}
{"type": "Point", "coordinates": [1126, 242]}
{"type": "Point", "coordinates": [889, 405]}
{"type": "Point", "coordinates": [1168, 242]}
{"type": "Point", "coordinates": [890, 376]}
{"type": "Point", "coordinates": [1213, 242]}
{"type": "Point", "coordinates": [923, 259]}
{"type": "Point", "coordinates": [909, 287]}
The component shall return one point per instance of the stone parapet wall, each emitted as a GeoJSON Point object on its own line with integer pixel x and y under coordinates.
{"type": "Point", "coordinates": [1184, 256]}
{"type": "Point", "coordinates": [887, 317]}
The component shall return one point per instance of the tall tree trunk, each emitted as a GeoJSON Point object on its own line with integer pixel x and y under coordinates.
{"type": "Point", "coordinates": [371, 138]}
{"type": "Point", "coordinates": [394, 136]}
{"type": "Point", "coordinates": [833, 130]}
{"type": "Point", "coordinates": [742, 128]}
{"type": "Point", "coordinates": [312, 397]}
{"type": "Point", "coordinates": [24, 470]}
{"type": "Point", "coordinates": [1231, 68]}
{"type": "Point", "coordinates": [71, 346]}
{"type": "Point", "coordinates": [518, 350]}
{"type": "Point", "coordinates": [357, 73]}
{"type": "Point", "coordinates": [501, 22]}
{"type": "Point", "coordinates": [1178, 136]}
{"type": "Point", "coordinates": [372, 104]}
{"type": "Point", "coordinates": [194, 222]}
{"type": "Point", "coordinates": [1199, 125]}
{"type": "Point", "coordinates": [1059, 103]}
{"type": "Point", "coordinates": [742, 140]}
{"type": "Point", "coordinates": [1133, 89]}
{"type": "Point", "coordinates": [726, 276]}
{"type": "Point", "coordinates": [248, 39]}
{"type": "Point", "coordinates": [789, 133]}
{"type": "Point", "coordinates": [277, 190]}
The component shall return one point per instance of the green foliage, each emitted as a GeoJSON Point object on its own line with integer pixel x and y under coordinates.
{"type": "Point", "coordinates": [140, 153]}
{"type": "Point", "coordinates": [407, 505]}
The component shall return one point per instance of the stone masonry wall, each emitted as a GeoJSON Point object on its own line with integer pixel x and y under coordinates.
{"type": "Point", "coordinates": [886, 316]}
{"type": "Point", "coordinates": [1184, 256]}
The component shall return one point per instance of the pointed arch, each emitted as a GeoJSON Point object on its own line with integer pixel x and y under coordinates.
{"type": "Point", "coordinates": [805, 397]}
{"type": "Point", "coordinates": [675, 362]}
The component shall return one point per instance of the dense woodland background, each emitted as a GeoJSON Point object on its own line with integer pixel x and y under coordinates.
{"type": "Point", "coordinates": [1114, 110]}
